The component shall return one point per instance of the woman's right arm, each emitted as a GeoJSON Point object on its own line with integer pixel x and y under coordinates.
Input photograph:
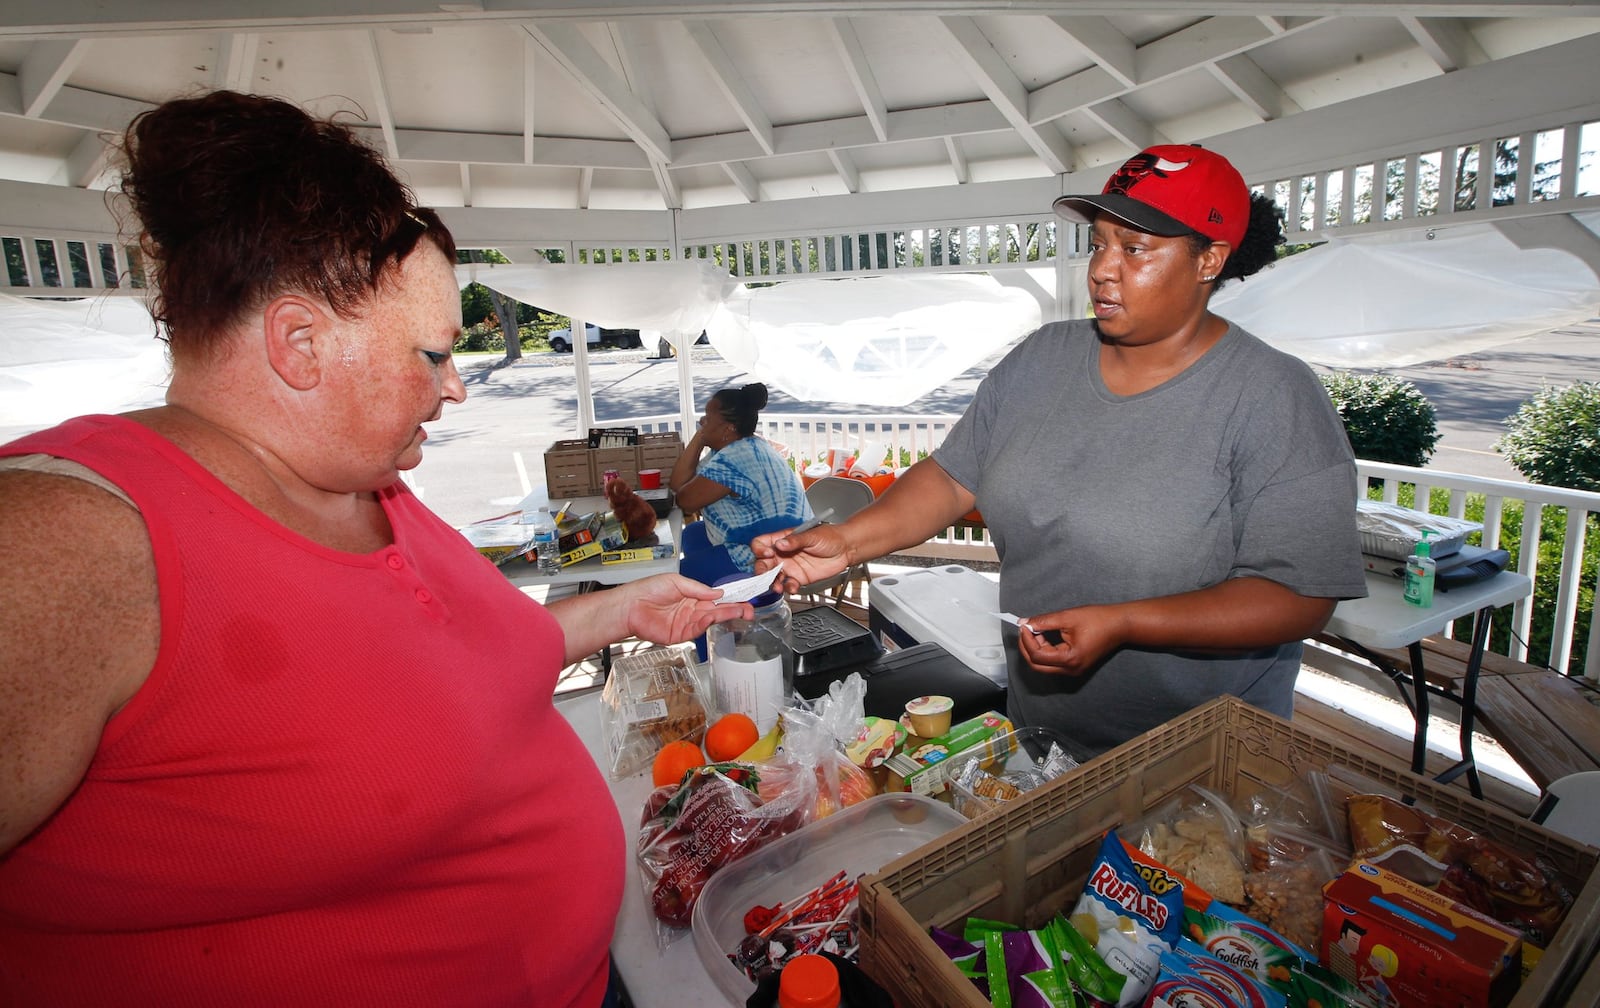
{"type": "Point", "coordinates": [916, 506]}
{"type": "Point", "coordinates": [79, 632]}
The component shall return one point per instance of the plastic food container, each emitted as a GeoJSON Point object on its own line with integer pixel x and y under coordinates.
{"type": "Point", "coordinates": [1027, 746]}
{"type": "Point", "coordinates": [859, 839]}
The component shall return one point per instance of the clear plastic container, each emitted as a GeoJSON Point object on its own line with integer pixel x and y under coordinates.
{"type": "Point", "coordinates": [752, 662]}
{"type": "Point", "coordinates": [859, 839]}
{"type": "Point", "coordinates": [1021, 772]}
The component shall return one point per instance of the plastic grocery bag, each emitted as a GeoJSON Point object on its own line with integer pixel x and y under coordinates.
{"type": "Point", "coordinates": [718, 814]}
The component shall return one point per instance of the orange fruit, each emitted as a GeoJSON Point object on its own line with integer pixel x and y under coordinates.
{"type": "Point", "coordinates": [674, 760]}
{"type": "Point", "coordinates": [729, 736]}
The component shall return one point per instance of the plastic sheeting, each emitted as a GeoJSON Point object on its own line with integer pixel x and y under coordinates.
{"type": "Point", "coordinates": [60, 359]}
{"type": "Point", "coordinates": [1382, 303]}
{"type": "Point", "coordinates": [672, 297]}
{"type": "Point", "coordinates": [881, 340]}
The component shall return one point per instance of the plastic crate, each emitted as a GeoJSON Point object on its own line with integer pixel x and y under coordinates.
{"type": "Point", "coordinates": [624, 460]}
{"type": "Point", "coordinates": [568, 471]}
{"type": "Point", "coordinates": [1030, 859]}
{"type": "Point", "coordinates": [659, 451]}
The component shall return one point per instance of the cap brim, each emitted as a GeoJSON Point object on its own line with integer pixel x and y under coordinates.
{"type": "Point", "coordinates": [1139, 216]}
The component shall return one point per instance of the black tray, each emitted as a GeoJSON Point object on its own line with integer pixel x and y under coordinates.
{"type": "Point", "coordinates": [824, 639]}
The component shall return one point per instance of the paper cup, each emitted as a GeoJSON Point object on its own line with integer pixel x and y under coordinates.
{"type": "Point", "coordinates": [649, 479]}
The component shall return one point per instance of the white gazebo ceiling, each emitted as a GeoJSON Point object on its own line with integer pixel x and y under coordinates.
{"type": "Point", "coordinates": [763, 106]}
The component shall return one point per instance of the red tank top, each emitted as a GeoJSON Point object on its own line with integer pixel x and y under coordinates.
{"type": "Point", "coordinates": [344, 782]}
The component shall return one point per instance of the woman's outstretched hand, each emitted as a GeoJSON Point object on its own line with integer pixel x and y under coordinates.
{"type": "Point", "coordinates": [806, 556]}
{"type": "Point", "coordinates": [670, 609]}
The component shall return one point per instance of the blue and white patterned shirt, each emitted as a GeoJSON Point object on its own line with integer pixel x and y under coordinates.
{"type": "Point", "coordinates": [767, 496]}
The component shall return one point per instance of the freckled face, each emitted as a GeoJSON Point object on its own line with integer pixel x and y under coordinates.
{"type": "Point", "coordinates": [393, 370]}
{"type": "Point", "coordinates": [1143, 288]}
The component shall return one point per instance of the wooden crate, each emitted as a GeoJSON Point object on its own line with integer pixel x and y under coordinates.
{"type": "Point", "coordinates": [568, 470]}
{"type": "Point", "coordinates": [1030, 860]}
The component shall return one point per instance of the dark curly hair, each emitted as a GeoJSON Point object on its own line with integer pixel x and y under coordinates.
{"type": "Point", "coordinates": [240, 198]}
{"type": "Point", "coordinates": [742, 406]}
{"type": "Point", "coordinates": [1262, 236]}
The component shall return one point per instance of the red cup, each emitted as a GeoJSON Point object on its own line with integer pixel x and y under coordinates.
{"type": "Point", "coordinates": [649, 479]}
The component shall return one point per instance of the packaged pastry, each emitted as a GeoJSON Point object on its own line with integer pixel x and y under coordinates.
{"type": "Point", "coordinates": [650, 698]}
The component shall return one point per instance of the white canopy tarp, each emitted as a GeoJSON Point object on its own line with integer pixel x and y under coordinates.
{"type": "Point", "coordinates": [677, 296]}
{"type": "Point", "coordinates": [60, 359]}
{"type": "Point", "coordinates": [881, 340]}
{"type": "Point", "coordinates": [1378, 302]}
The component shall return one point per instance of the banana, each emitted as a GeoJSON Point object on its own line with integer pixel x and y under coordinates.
{"type": "Point", "coordinates": [765, 747]}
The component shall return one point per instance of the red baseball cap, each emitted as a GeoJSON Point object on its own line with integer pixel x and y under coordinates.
{"type": "Point", "coordinates": [1171, 190]}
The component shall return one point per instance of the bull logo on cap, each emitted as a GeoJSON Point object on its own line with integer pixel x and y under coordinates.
{"type": "Point", "coordinates": [1140, 167]}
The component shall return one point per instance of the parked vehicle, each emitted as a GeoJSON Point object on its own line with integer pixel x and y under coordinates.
{"type": "Point", "coordinates": [626, 339]}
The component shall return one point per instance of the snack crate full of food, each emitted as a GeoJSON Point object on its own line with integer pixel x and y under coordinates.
{"type": "Point", "coordinates": [1027, 863]}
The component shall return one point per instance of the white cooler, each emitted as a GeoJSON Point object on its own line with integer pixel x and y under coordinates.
{"type": "Point", "coordinates": [947, 605]}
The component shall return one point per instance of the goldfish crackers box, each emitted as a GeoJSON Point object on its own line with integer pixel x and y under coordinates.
{"type": "Point", "coordinates": [1412, 946]}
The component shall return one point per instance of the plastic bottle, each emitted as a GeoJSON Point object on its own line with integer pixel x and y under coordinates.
{"type": "Point", "coordinates": [809, 981]}
{"type": "Point", "coordinates": [752, 662]}
{"type": "Point", "coordinates": [546, 543]}
{"type": "Point", "coordinates": [1419, 573]}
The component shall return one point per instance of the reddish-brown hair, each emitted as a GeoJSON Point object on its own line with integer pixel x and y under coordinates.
{"type": "Point", "coordinates": [241, 198]}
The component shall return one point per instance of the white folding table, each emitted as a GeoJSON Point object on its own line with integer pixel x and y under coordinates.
{"type": "Point", "coordinates": [1385, 620]}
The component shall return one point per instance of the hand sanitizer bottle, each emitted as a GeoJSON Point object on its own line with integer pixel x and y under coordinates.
{"type": "Point", "coordinates": [1419, 573]}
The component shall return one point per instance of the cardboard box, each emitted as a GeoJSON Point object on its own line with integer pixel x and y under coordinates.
{"type": "Point", "coordinates": [1404, 941]}
{"type": "Point", "coordinates": [921, 765]}
{"type": "Point", "coordinates": [1027, 861]}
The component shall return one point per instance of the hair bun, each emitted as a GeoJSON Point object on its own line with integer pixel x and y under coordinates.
{"type": "Point", "coordinates": [755, 396]}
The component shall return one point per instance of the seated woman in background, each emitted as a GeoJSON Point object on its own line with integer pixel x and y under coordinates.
{"type": "Point", "coordinates": [743, 489]}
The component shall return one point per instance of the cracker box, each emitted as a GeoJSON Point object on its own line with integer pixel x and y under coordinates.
{"type": "Point", "coordinates": [1410, 945]}
{"type": "Point", "coordinates": [922, 766]}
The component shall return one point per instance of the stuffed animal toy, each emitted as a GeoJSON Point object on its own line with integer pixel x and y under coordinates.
{"type": "Point", "coordinates": [638, 518]}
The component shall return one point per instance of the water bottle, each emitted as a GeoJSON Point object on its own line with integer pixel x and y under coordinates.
{"type": "Point", "coordinates": [752, 662]}
{"type": "Point", "coordinates": [546, 543]}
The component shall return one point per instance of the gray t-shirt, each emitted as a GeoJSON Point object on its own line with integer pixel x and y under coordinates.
{"type": "Point", "coordinates": [1237, 467]}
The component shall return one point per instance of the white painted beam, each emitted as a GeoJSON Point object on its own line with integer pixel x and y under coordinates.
{"type": "Point", "coordinates": [859, 69]}
{"type": "Point", "coordinates": [88, 160]}
{"type": "Point", "coordinates": [366, 43]}
{"type": "Point", "coordinates": [846, 167]}
{"type": "Point", "coordinates": [569, 48]}
{"type": "Point", "coordinates": [743, 180]}
{"type": "Point", "coordinates": [1251, 85]}
{"type": "Point", "coordinates": [44, 72]}
{"type": "Point", "coordinates": [991, 72]}
{"type": "Point", "coordinates": [1100, 40]}
{"type": "Point", "coordinates": [731, 83]}
{"type": "Point", "coordinates": [530, 133]}
{"type": "Point", "coordinates": [958, 160]}
{"type": "Point", "coordinates": [1126, 125]}
{"type": "Point", "coordinates": [1446, 41]}
{"type": "Point", "coordinates": [236, 61]}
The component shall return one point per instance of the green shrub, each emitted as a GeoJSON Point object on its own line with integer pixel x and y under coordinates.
{"type": "Point", "coordinates": [482, 337]}
{"type": "Point", "coordinates": [1385, 418]}
{"type": "Point", "coordinates": [1554, 438]}
{"type": "Point", "coordinates": [1552, 539]}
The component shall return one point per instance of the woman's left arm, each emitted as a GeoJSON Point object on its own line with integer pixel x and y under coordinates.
{"type": "Point", "coordinates": [1239, 614]}
{"type": "Point", "coordinates": [665, 609]}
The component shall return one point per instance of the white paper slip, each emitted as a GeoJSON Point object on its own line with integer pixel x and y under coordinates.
{"type": "Point", "coordinates": [745, 589]}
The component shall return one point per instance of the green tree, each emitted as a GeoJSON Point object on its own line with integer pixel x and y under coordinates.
{"type": "Point", "coordinates": [1554, 438]}
{"type": "Point", "coordinates": [1385, 418]}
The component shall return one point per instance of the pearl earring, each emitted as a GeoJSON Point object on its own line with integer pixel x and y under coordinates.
{"type": "Point", "coordinates": [1208, 279]}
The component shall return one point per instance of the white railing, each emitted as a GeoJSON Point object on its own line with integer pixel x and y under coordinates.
{"type": "Point", "coordinates": [908, 437]}
{"type": "Point", "coordinates": [1538, 502]}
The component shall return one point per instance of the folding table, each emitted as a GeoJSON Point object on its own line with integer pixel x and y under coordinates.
{"type": "Point", "coordinates": [1385, 620]}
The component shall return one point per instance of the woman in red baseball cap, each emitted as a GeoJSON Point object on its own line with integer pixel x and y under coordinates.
{"type": "Point", "coordinates": [1171, 498]}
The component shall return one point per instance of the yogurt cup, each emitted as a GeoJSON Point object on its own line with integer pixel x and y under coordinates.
{"type": "Point", "coordinates": [929, 716]}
